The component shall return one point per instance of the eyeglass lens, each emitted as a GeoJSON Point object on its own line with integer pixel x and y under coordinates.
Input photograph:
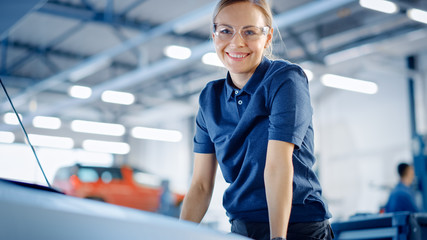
{"type": "Point", "coordinates": [248, 33]}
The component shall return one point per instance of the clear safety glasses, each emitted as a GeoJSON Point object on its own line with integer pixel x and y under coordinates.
{"type": "Point", "coordinates": [248, 33]}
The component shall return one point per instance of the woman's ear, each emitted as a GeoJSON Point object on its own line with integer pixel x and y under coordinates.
{"type": "Point", "coordinates": [269, 38]}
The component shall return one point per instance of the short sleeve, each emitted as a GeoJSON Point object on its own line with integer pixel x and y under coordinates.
{"type": "Point", "coordinates": [202, 141]}
{"type": "Point", "coordinates": [290, 107]}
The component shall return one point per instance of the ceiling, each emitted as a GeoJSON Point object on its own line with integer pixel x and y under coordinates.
{"type": "Point", "coordinates": [118, 45]}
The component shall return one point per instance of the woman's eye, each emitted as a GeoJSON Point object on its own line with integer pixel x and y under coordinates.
{"type": "Point", "coordinates": [249, 32]}
{"type": "Point", "coordinates": [226, 31]}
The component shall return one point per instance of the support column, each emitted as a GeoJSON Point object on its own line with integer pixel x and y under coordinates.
{"type": "Point", "coordinates": [418, 144]}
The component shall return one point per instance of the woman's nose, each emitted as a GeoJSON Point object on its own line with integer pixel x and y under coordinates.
{"type": "Point", "coordinates": [238, 39]}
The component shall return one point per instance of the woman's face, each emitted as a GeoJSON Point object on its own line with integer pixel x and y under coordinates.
{"type": "Point", "coordinates": [241, 57]}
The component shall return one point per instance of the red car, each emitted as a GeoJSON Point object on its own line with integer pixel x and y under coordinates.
{"type": "Point", "coordinates": [123, 186]}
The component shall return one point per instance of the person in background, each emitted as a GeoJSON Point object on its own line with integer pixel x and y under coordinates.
{"type": "Point", "coordinates": [402, 197]}
{"type": "Point", "coordinates": [257, 125]}
{"type": "Point", "coordinates": [166, 199]}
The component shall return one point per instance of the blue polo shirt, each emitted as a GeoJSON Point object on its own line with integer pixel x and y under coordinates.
{"type": "Point", "coordinates": [401, 199]}
{"type": "Point", "coordinates": [236, 125]}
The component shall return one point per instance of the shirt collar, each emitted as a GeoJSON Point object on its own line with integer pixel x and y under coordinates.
{"type": "Point", "coordinates": [229, 89]}
{"type": "Point", "coordinates": [253, 82]}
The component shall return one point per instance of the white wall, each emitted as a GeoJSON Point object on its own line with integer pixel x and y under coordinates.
{"type": "Point", "coordinates": [361, 138]}
{"type": "Point", "coordinates": [171, 160]}
{"type": "Point", "coordinates": [17, 161]}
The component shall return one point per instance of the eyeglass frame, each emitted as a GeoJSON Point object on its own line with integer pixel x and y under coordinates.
{"type": "Point", "coordinates": [264, 30]}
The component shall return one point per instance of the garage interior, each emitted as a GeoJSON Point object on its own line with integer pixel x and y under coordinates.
{"type": "Point", "coordinates": [136, 68]}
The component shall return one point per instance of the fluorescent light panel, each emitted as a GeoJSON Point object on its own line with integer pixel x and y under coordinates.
{"type": "Point", "coordinates": [106, 147]}
{"type": "Point", "coordinates": [118, 97]}
{"type": "Point", "coordinates": [350, 84]}
{"type": "Point", "coordinates": [212, 59]}
{"type": "Point", "coordinates": [11, 119]}
{"type": "Point", "coordinates": [80, 92]}
{"type": "Point", "coordinates": [98, 128]}
{"type": "Point", "coordinates": [156, 134]}
{"type": "Point", "coordinates": [7, 137]}
{"type": "Point", "coordinates": [51, 141]}
{"type": "Point", "coordinates": [417, 15]}
{"type": "Point", "coordinates": [47, 122]}
{"type": "Point", "coordinates": [380, 5]}
{"type": "Point", "coordinates": [177, 52]}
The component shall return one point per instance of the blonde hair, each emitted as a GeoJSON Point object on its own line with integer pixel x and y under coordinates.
{"type": "Point", "coordinates": [261, 4]}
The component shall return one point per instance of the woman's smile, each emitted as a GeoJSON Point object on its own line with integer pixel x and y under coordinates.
{"type": "Point", "coordinates": [237, 56]}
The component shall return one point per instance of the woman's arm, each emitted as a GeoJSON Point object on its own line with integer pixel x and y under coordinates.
{"type": "Point", "coordinates": [278, 178]}
{"type": "Point", "coordinates": [198, 197]}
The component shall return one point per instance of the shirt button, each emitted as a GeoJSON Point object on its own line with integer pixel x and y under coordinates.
{"type": "Point", "coordinates": [236, 92]}
{"type": "Point", "coordinates": [240, 102]}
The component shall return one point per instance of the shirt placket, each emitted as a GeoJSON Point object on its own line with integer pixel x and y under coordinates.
{"type": "Point", "coordinates": [242, 100]}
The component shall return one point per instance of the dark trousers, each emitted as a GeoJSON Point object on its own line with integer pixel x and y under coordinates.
{"type": "Point", "coordinates": [296, 231]}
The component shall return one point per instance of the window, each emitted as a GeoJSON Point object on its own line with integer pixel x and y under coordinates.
{"type": "Point", "coordinates": [87, 175]}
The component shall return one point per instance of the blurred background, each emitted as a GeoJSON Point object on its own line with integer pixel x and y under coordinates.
{"type": "Point", "coordinates": [108, 83]}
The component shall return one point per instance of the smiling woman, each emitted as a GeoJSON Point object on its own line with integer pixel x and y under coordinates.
{"type": "Point", "coordinates": [241, 53]}
{"type": "Point", "coordinates": [256, 125]}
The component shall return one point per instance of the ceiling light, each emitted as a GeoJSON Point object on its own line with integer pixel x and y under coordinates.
{"type": "Point", "coordinates": [106, 147]}
{"type": "Point", "coordinates": [177, 52]}
{"type": "Point", "coordinates": [417, 15]}
{"type": "Point", "coordinates": [156, 134]}
{"type": "Point", "coordinates": [7, 137]}
{"type": "Point", "coordinates": [98, 128]}
{"type": "Point", "coordinates": [350, 84]}
{"type": "Point", "coordinates": [212, 59]}
{"type": "Point", "coordinates": [309, 74]}
{"type": "Point", "coordinates": [47, 122]}
{"type": "Point", "coordinates": [11, 119]}
{"type": "Point", "coordinates": [51, 141]}
{"type": "Point", "coordinates": [379, 5]}
{"type": "Point", "coordinates": [118, 97]}
{"type": "Point", "coordinates": [80, 92]}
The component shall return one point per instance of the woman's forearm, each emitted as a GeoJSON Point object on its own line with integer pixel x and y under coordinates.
{"type": "Point", "coordinates": [278, 177]}
{"type": "Point", "coordinates": [198, 197]}
{"type": "Point", "coordinates": [196, 203]}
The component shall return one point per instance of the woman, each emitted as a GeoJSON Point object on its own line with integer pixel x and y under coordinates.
{"type": "Point", "coordinates": [256, 124]}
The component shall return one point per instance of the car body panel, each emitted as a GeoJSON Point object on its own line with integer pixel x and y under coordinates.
{"type": "Point", "coordinates": [27, 213]}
